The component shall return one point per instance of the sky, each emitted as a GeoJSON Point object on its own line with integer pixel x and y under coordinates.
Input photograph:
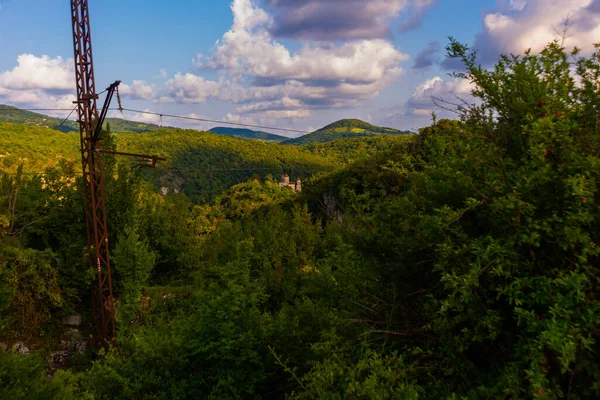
{"type": "Point", "coordinates": [298, 64]}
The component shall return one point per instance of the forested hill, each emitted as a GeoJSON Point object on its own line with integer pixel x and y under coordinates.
{"type": "Point", "coordinates": [204, 165]}
{"type": "Point", "coordinates": [247, 134]}
{"type": "Point", "coordinates": [18, 116]}
{"type": "Point", "coordinates": [200, 164]}
{"type": "Point", "coordinates": [345, 128]}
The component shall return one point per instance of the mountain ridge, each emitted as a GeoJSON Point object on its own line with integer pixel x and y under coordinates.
{"type": "Point", "coordinates": [342, 129]}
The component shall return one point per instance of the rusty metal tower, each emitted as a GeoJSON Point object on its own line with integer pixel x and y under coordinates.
{"type": "Point", "coordinates": [95, 208]}
{"type": "Point", "coordinates": [90, 127]}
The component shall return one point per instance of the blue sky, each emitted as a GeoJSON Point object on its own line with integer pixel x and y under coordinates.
{"type": "Point", "coordinates": [290, 63]}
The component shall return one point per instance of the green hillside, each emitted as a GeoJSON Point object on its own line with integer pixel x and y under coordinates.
{"type": "Point", "coordinates": [345, 128]}
{"type": "Point", "coordinates": [247, 134]}
{"type": "Point", "coordinates": [18, 116]}
{"type": "Point", "coordinates": [201, 164]}
{"type": "Point", "coordinates": [35, 147]}
{"type": "Point", "coordinates": [204, 165]}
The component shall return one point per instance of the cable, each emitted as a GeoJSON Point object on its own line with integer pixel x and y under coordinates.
{"type": "Point", "coordinates": [170, 116]}
{"type": "Point", "coordinates": [35, 109]}
{"type": "Point", "coordinates": [65, 120]}
{"type": "Point", "coordinates": [214, 121]}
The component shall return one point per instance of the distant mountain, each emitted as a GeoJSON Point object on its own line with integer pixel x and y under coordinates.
{"type": "Point", "coordinates": [345, 128]}
{"type": "Point", "coordinates": [247, 134]}
{"type": "Point", "coordinates": [17, 116]}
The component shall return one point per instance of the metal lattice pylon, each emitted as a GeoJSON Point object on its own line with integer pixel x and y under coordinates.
{"type": "Point", "coordinates": [95, 208]}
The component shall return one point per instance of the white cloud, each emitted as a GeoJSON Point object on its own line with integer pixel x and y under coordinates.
{"type": "Point", "coordinates": [45, 82]}
{"type": "Point", "coordinates": [522, 24]}
{"type": "Point", "coordinates": [277, 82]}
{"type": "Point", "coordinates": [43, 72]}
{"type": "Point", "coordinates": [138, 90]}
{"type": "Point", "coordinates": [190, 88]}
{"type": "Point", "coordinates": [249, 47]}
{"type": "Point", "coordinates": [422, 103]}
{"type": "Point", "coordinates": [39, 82]}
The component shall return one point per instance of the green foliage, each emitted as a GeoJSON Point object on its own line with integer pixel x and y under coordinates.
{"type": "Point", "coordinates": [34, 147]}
{"type": "Point", "coordinates": [372, 377]}
{"type": "Point", "coordinates": [35, 293]}
{"type": "Point", "coordinates": [133, 262]}
{"type": "Point", "coordinates": [353, 149]}
{"type": "Point", "coordinates": [23, 377]}
{"type": "Point", "coordinates": [495, 218]}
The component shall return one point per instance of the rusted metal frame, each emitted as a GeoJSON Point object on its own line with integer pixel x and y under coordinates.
{"type": "Point", "coordinates": [100, 121]}
{"type": "Point", "coordinates": [97, 233]}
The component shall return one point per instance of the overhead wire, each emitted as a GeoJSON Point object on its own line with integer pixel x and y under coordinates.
{"type": "Point", "coordinates": [215, 121]}
{"type": "Point", "coordinates": [160, 115]}
{"type": "Point", "coordinates": [65, 120]}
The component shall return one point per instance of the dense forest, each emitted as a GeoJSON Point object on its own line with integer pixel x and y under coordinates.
{"type": "Point", "coordinates": [459, 263]}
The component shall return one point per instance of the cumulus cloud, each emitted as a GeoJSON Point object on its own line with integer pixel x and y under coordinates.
{"type": "Point", "coordinates": [259, 69]}
{"type": "Point", "coordinates": [422, 103]}
{"type": "Point", "coordinates": [518, 25]}
{"type": "Point", "coordinates": [41, 82]}
{"type": "Point", "coordinates": [45, 82]}
{"type": "Point", "coordinates": [139, 90]}
{"type": "Point", "coordinates": [43, 72]}
{"type": "Point", "coordinates": [428, 56]}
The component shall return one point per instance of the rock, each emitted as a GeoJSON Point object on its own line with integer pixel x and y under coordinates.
{"type": "Point", "coordinates": [74, 334]}
{"type": "Point", "coordinates": [20, 347]}
{"type": "Point", "coordinates": [73, 320]}
{"type": "Point", "coordinates": [77, 347]}
{"type": "Point", "coordinates": [58, 358]}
